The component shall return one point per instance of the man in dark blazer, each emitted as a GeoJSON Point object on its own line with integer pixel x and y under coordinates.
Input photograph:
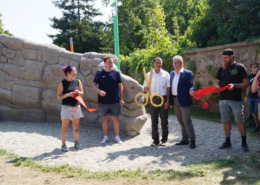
{"type": "Point", "coordinates": [181, 91]}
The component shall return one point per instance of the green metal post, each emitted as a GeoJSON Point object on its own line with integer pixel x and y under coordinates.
{"type": "Point", "coordinates": [116, 37]}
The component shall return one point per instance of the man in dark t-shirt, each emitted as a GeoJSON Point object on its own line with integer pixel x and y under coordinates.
{"type": "Point", "coordinates": [235, 75]}
{"type": "Point", "coordinates": [253, 97]}
{"type": "Point", "coordinates": [110, 84]}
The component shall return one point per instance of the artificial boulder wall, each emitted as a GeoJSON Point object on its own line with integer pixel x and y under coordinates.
{"type": "Point", "coordinates": [30, 74]}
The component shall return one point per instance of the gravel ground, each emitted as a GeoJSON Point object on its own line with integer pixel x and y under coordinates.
{"type": "Point", "coordinates": [41, 141]}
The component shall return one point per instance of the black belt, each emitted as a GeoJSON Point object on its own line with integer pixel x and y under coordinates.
{"type": "Point", "coordinates": [175, 96]}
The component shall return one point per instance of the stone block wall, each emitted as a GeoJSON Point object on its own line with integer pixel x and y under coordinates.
{"type": "Point", "coordinates": [30, 74]}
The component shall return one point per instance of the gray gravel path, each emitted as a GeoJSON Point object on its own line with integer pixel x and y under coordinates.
{"type": "Point", "coordinates": [41, 141]}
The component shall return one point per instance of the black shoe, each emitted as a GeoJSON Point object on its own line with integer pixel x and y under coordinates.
{"type": "Point", "coordinates": [245, 147]}
{"type": "Point", "coordinates": [182, 143]}
{"type": "Point", "coordinates": [164, 140]}
{"type": "Point", "coordinates": [225, 146]}
{"type": "Point", "coordinates": [256, 129]}
{"type": "Point", "coordinates": [192, 145]}
{"type": "Point", "coordinates": [154, 144]}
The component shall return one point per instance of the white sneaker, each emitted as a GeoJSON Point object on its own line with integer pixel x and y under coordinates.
{"type": "Point", "coordinates": [105, 139]}
{"type": "Point", "coordinates": [118, 140]}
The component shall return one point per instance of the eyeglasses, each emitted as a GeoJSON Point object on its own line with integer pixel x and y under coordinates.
{"type": "Point", "coordinates": [174, 63]}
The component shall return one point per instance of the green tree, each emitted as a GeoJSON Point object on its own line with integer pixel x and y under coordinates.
{"type": "Point", "coordinates": [2, 31]}
{"type": "Point", "coordinates": [178, 14]}
{"type": "Point", "coordinates": [77, 22]}
{"type": "Point", "coordinates": [133, 16]}
{"type": "Point", "coordinates": [226, 22]}
{"type": "Point", "coordinates": [158, 43]}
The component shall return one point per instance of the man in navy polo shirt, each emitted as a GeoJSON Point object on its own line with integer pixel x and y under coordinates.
{"type": "Point", "coordinates": [110, 84]}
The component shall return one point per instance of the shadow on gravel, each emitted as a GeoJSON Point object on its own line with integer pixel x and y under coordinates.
{"type": "Point", "coordinates": [55, 154]}
{"type": "Point", "coordinates": [165, 153]}
{"type": "Point", "coordinates": [88, 133]}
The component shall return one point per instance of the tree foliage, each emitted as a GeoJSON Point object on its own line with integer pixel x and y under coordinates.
{"type": "Point", "coordinates": [133, 17]}
{"type": "Point", "coordinates": [178, 13]}
{"type": "Point", "coordinates": [164, 28]}
{"type": "Point", "coordinates": [226, 22]}
{"type": "Point", "coordinates": [158, 43]}
{"type": "Point", "coordinates": [77, 22]}
{"type": "Point", "coordinates": [2, 31]}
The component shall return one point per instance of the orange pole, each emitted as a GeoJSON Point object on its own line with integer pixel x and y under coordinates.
{"type": "Point", "coordinates": [71, 44]}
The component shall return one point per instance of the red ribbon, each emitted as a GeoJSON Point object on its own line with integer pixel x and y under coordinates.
{"type": "Point", "coordinates": [81, 101]}
{"type": "Point", "coordinates": [202, 92]}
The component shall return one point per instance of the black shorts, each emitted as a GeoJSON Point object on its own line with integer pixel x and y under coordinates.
{"type": "Point", "coordinates": [109, 109]}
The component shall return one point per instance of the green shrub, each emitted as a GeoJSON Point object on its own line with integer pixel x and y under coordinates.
{"type": "Point", "coordinates": [210, 83]}
{"type": "Point", "coordinates": [212, 97]}
{"type": "Point", "coordinates": [124, 67]}
{"type": "Point", "coordinates": [213, 72]}
{"type": "Point", "coordinates": [144, 57]}
{"type": "Point", "coordinates": [158, 43]}
{"type": "Point", "coordinates": [197, 85]}
{"type": "Point", "coordinates": [209, 67]}
{"type": "Point", "coordinates": [191, 66]}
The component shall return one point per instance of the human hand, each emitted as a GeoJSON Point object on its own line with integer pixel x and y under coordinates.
{"type": "Point", "coordinates": [122, 103]}
{"type": "Point", "coordinates": [77, 91]}
{"type": "Point", "coordinates": [146, 89]}
{"type": "Point", "coordinates": [191, 93]}
{"type": "Point", "coordinates": [246, 100]}
{"type": "Point", "coordinates": [166, 105]}
{"type": "Point", "coordinates": [217, 86]}
{"type": "Point", "coordinates": [258, 74]}
{"type": "Point", "coordinates": [232, 86]}
{"type": "Point", "coordinates": [102, 93]}
{"type": "Point", "coordinates": [70, 94]}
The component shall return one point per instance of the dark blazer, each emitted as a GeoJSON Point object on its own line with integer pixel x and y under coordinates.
{"type": "Point", "coordinates": [185, 85]}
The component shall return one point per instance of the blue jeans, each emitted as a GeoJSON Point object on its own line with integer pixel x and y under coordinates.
{"type": "Point", "coordinates": [253, 102]}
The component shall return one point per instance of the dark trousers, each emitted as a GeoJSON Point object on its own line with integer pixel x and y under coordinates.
{"type": "Point", "coordinates": [184, 118]}
{"type": "Point", "coordinates": [155, 112]}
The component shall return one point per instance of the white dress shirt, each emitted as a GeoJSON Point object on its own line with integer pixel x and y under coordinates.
{"type": "Point", "coordinates": [175, 82]}
{"type": "Point", "coordinates": [160, 82]}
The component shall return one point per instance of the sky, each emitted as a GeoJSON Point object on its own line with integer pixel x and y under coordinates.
{"type": "Point", "coordinates": [29, 19]}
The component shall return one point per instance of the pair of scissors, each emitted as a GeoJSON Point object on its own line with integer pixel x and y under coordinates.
{"type": "Point", "coordinates": [148, 95]}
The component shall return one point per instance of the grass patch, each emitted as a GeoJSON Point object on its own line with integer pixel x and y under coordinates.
{"type": "Point", "coordinates": [243, 169]}
{"type": "Point", "coordinates": [253, 133]}
{"type": "Point", "coordinates": [7, 155]}
{"type": "Point", "coordinates": [217, 164]}
{"type": "Point", "coordinates": [75, 172]}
